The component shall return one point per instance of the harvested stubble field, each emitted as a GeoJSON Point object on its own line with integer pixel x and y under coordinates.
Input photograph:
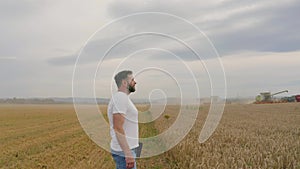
{"type": "Point", "coordinates": [248, 136]}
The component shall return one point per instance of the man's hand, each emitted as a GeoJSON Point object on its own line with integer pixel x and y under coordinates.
{"type": "Point", "coordinates": [129, 161]}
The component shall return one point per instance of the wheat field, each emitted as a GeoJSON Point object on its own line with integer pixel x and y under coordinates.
{"type": "Point", "coordinates": [248, 136]}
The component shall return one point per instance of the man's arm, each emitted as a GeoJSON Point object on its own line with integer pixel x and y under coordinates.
{"type": "Point", "coordinates": [118, 121]}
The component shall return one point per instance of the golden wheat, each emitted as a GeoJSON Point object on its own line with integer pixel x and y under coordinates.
{"type": "Point", "coordinates": [248, 136]}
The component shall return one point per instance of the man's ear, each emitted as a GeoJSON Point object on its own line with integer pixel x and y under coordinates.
{"type": "Point", "coordinates": [124, 82]}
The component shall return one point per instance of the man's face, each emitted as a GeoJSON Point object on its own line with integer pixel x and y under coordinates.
{"type": "Point", "coordinates": [131, 84]}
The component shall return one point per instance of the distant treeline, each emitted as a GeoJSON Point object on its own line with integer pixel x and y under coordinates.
{"type": "Point", "coordinates": [28, 101]}
{"type": "Point", "coordinates": [54, 100]}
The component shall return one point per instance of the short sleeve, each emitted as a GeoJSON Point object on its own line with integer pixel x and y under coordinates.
{"type": "Point", "coordinates": [120, 103]}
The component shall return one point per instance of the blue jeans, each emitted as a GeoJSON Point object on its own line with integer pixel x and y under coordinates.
{"type": "Point", "coordinates": [119, 158]}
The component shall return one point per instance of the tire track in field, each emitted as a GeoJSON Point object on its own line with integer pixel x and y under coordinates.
{"type": "Point", "coordinates": [37, 146]}
{"type": "Point", "coordinates": [13, 143]}
{"type": "Point", "coordinates": [39, 131]}
{"type": "Point", "coordinates": [30, 120]}
{"type": "Point", "coordinates": [78, 152]}
{"type": "Point", "coordinates": [25, 126]}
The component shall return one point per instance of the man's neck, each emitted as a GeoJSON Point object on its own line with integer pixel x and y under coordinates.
{"type": "Point", "coordinates": [123, 90]}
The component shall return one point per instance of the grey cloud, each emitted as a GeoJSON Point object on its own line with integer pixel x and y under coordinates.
{"type": "Point", "coordinates": [92, 52]}
{"type": "Point", "coordinates": [188, 8]}
{"type": "Point", "coordinates": [63, 60]}
{"type": "Point", "coordinates": [16, 9]}
{"type": "Point", "coordinates": [95, 50]}
{"type": "Point", "coordinates": [277, 32]}
{"type": "Point", "coordinates": [142, 36]}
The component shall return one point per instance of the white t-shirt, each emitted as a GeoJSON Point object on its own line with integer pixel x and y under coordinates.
{"type": "Point", "coordinates": [121, 103]}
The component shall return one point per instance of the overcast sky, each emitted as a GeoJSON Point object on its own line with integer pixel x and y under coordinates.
{"type": "Point", "coordinates": [257, 42]}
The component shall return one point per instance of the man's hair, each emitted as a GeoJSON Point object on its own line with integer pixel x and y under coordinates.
{"type": "Point", "coordinates": [121, 76]}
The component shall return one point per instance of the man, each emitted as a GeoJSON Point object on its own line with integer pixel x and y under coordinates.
{"type": "Point", "coordinates": [123, 119]}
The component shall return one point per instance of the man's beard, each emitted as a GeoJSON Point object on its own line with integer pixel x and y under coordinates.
{"type": "Point", "coordinates": [131, 89]}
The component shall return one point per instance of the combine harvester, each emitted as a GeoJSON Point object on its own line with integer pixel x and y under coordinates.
{"type": "Point", "coordinates": [267, 97]}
